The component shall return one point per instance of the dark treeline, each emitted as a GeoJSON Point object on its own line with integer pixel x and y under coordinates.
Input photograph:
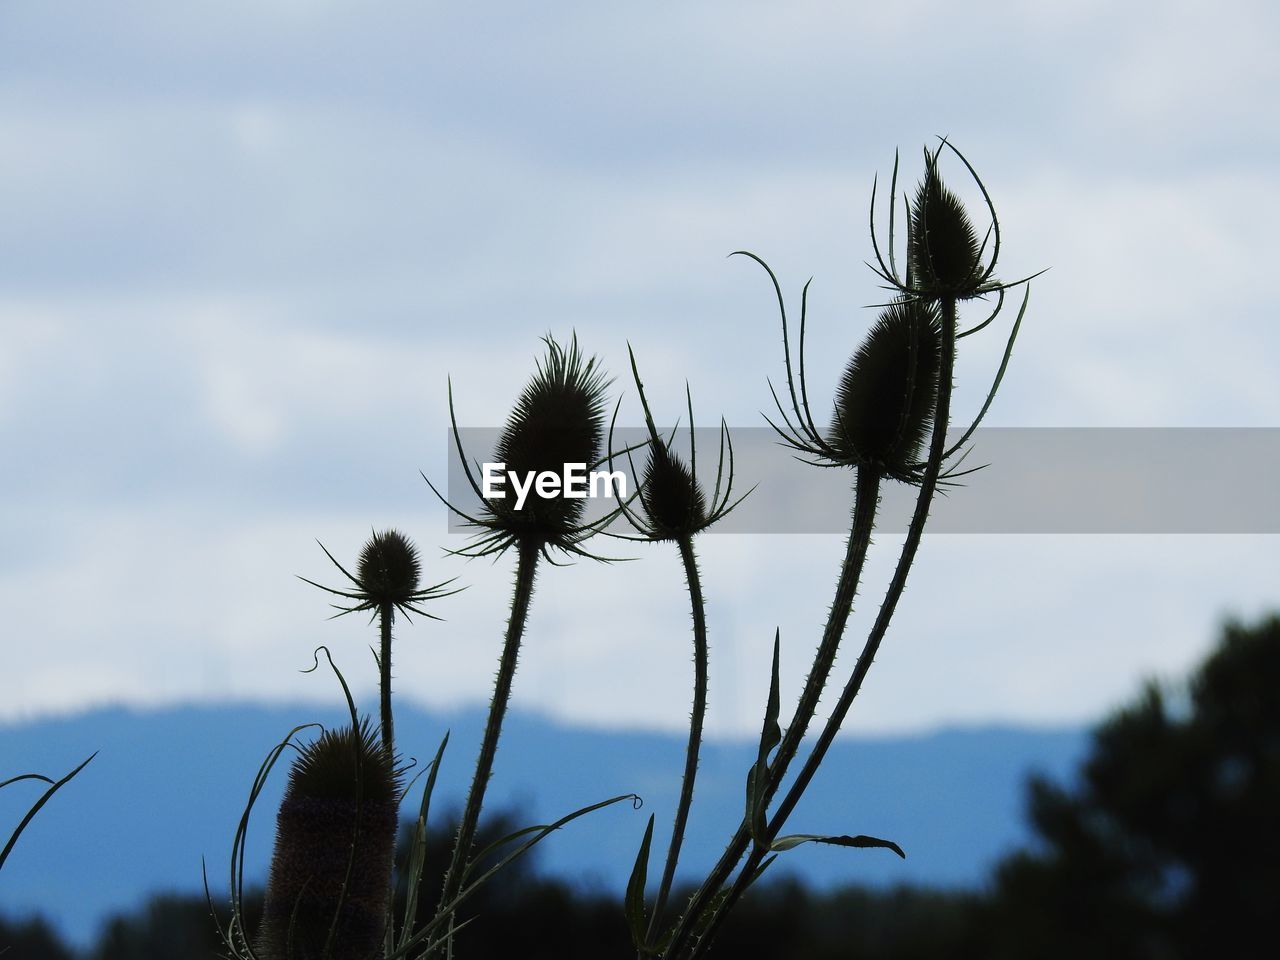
{"type": "Point", "coordinates": [1168, 846]}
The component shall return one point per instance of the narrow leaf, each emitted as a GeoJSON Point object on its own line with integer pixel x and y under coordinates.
{"type": "Point", "coordinates": [795, 839]}
{"type": "Point", "coordinates": [418, 847]}
{"type": "Point", "coordinates": [35, 808]}
{"type": "Point", "coordinates": [634, 904]}
{"type": "Point", "coordinates": [770, 736]}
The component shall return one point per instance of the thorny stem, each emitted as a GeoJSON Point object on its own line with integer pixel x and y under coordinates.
{"type": "Point", "coordinates": [928, 485]}
{"type": "Point", "coordinates": [526, 567]}
{"type": "Point", "coordinates": [866, 500]}
{"type": "Point", "coordinates": [694, 583]}
{"type": "Point", "coordinates": [386, 614]}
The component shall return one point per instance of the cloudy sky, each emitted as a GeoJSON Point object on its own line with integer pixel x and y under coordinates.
{"type": "Point", "coordinates": [242, 245]}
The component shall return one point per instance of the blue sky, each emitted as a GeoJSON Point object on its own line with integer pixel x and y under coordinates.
{"type": "Point", "coordinates": [243, 244]}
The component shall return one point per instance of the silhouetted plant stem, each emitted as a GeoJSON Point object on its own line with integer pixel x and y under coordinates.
{"type": "Point", "coordinates": [386, 616]}
{"type": "Point", "coordinates": [924, 499]}
{"type": "Point", "coordinates": [526, 567]}
{"type": "Point", "coordinates": [866, 500]}
{"type": "Point", "coordinates": [694, 583]}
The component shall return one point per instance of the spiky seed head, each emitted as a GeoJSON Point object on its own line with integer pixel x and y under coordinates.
{"type": "Point", "coordinates": [558, 419]}
{"type": "Point", "coordinates": [672, 498]}
{"type": "Point", "coordinates": [388, 570]}
{"type": "Point", "coordinates": [885, 400]}
{"type": "Point", "coordinates": [345, 763]}
{"type": "Point", "coordinates": [335, 838]}
{"type": "Point", "coordinates": [945, 255]}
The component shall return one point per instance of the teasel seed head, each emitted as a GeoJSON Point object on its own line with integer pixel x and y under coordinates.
{"type": "Point", "coordinates": [335, 839]}
{"type": "Point", "coordinates": [884, 403]}
{"type": "Point", "coordinates": [673, 501]}
{"type": "Point", "coordinates": [943, 248]}
{"type": "Point", "coordinates": [559, 418]}
{"type": "Point", "coordinates": [388, 569]}
{"type": "Point", "coordinates": [388, 572]}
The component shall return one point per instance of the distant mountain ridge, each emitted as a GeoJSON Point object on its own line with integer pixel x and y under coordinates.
{"type": "Point", "coordinates": [169, 785]}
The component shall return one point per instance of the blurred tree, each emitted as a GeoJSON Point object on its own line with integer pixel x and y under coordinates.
{"type": "Point", "coordinates": [1169, 846]}
{"type": "Point", "coordinates": [170, 925]}
{"type": "Point", "coordinates": [30, 940]}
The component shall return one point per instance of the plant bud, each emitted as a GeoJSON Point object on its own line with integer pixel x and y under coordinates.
{"type": "Point", "coordinates": [945, 256]}
{"type": "Point", "coordinates": [671, 495]}
{"type": "Point", "coordinates": [558, 419]}
{"type": "Point", "coordinates": [335, 838]}
{"type": "Point", "coordinates": [885, 400]}
{"type": "Point", "coordinates": [388, 569]}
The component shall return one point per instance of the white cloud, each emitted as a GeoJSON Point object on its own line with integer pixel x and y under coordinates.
{"type": "Point", "coordinates": [244, 246]}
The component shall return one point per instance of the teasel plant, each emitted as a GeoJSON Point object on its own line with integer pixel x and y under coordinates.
{"type": "Point", "coordinates": [387, 581]}
{"type": "Point", "coordinates": [672, 507]}
{"type": "Point", "coordinates": [331, 877]}
{"type": "Point", "coordinates": [330, 880]}
{"type": "Point", "coordinates": [329, 886]}
{"type": "Point", "coordinates": [558, 419]}
{"type": "Point", "coordinates": [894, 395]}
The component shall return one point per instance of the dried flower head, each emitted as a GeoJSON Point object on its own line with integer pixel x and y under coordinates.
{"type": "Point", "coordinates": [388, 573]}
{"type": "Point", "coordinates": [884, 403]}
{"type": "Point", "coordinates": [558, 421]}
{"type": "Point", "coordinates": [345, 763]}
{"type": "Point", "coordinates": [673, 505]}
{"type": "Point", "coordinates": [944, 258]}
{"type": "Point", "coordinates": [329, 885]}
{"type": "Point", "coordinates": [388, 568]}
{"type": "Point", "coordinates": [945, 255]}
{"type": "Point", "coordinates": [671, 495]}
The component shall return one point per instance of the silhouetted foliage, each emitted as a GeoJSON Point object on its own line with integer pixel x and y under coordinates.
{"type": "Point", "coordinates": [30, 940]}
{"type": "Point", "coordinates": [1170, 844]}
{"type": "Point", "coordinates": [1168, 847]}
{"type": "Point", "coordinates": [785, 921]}
{"type": "Point", "coordinates": [169, 926]}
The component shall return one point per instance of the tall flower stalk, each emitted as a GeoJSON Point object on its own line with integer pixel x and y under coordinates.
{"type": "Point", "coordinates": [673, 508]}
{"type": "Point", "coordinates": [558, 419]}
{"type": "Point", "coordinates": [329, 893]}
{"type": "Point", "coordinates": [329, 889]}
{"type": "Point", "coordinates": [945, 264]}
{"type": "Point", "coordinates": [387, 580]}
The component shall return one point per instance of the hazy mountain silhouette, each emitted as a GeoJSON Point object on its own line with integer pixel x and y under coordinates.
{"type": "Point", "coordinates": [169, 785]}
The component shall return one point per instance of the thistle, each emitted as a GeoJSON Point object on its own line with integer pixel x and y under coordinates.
{"type": "Point", "coordinates": [674, 508]}
{"type": "Point", "coordinates": [673, 505]}
{"type": "Point", "coordinates": [896, 391]}
{"type": "Point", "coordinates": [945, 255]}
{"type": "Point", "coordinates": [558, 419]}
{"type": "Point", "coordinates": [884, 403]}
{"type": "Point", "coordinates": [387, 579]}
{"type": "Point", "coordinates": [670, 495]}
{"type": "Point", "coordinates": [329, 887]}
